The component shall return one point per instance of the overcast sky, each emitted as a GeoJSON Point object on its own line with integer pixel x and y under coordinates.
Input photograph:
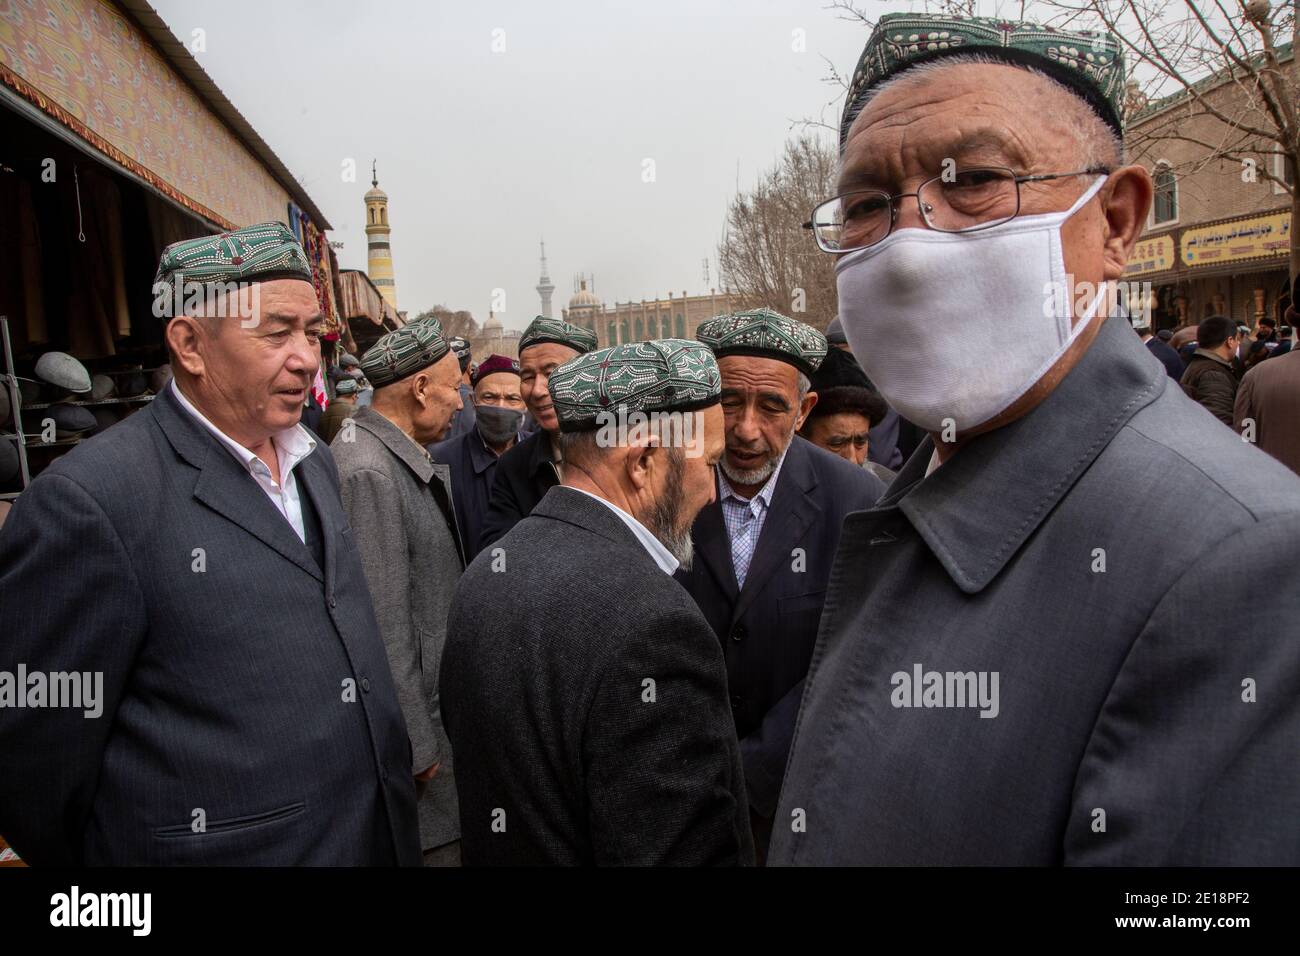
{"type": "Point", "coordinates": [483, 153]}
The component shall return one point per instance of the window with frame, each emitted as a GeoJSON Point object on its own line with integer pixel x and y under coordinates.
{"type": "Point", "coordinates": [1165, 207]}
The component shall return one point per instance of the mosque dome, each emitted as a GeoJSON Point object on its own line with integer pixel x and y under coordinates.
{"type": "Point", "coordinates": [583, 299]}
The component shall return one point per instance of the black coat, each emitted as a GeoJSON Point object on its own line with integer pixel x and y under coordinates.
{"type": "Point", "coordinates": [244, 675]}
{"type": "Point", "coordinates": [551, 645]}
{"type": "Point", "coordinates": [768, 629]}
{"type": "Point", "coordinates": [524, 475]}
{"type": "Point", "coordinates": [1168, 356]}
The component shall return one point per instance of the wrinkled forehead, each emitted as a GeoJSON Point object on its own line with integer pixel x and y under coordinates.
{"type": "Point", "coordinates": [987, 114]}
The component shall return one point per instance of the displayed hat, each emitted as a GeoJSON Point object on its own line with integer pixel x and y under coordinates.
{"type": "Point", "coordinates": [765, 333]}
{"type": "Point", "coordinates": [410, 349]}
{"type": "Point", "coordinates": [357, 375]}
{"type": "Point", "coordinates": [253, 254]}
{"type": "Point", "coordinates": [664, 375]}
{"type": "Point", "coordinates": [348, 386]}
{"type": "Point", "coordinates": [102, 387]}
{"type": "Point", "coordinates": [132, 384]}
{"type": "Point", "coordinates": [61, 369]}
{"type": "Point", "coordinates": [1089, 62]}
{"type": "Point", "coordinates": [461, 348]}
{"type": "Point", "coordinates": [69, 420]}
{"type": "Point", "coordinates": [542, 329]}
{"type": "Point", "coordinates": [835, 332]}
{"type": "Point", "coordinates": [493, 364]}
{"type": "Point", "coordinates": [349, 361]}
{"type": "Point", "coordinates": [29, 390]}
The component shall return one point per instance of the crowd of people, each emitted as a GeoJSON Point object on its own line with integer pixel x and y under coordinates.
{"type": "Point", "coordinates": [967, 579]}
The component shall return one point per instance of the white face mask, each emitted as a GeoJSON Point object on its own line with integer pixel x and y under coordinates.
{"type": "Point", "coordinates": [954, 327]}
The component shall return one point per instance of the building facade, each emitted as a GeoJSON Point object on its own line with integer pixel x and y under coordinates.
{"type": "Point", "coordinates": [1218, 238]}
{"type": "Point", "coordinates": [672, 317]}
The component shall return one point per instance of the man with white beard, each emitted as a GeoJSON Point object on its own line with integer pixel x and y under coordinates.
{"type": "Point", "coordinates": [765, 545]}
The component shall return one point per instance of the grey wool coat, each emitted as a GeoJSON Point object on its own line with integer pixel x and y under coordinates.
{"type": "Point", "coordinates": [1100, 556]}
{"type": "Point", "coordinates": [243, 672]}
{"type": "Point", "coordinates": [586, 697]}
{"type": "Point", "coordinates": [411, 554]}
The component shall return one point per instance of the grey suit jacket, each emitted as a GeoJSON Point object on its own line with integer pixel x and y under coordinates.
{"type": "Point", "coordinates": [248, 712]}
{"type": "Point", "coordinates": [587, 701]}
{"type": "Point", "coordinates": [409, 551]}
{"type": "Point", "coordinates": [1098, 555]}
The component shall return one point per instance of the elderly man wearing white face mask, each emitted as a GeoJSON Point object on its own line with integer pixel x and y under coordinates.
{"type": "Point", "coordinates": [1026, 656]}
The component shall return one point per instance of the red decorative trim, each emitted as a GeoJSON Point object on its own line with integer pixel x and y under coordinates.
{"type": "Point", "coordinates": [53, 110]}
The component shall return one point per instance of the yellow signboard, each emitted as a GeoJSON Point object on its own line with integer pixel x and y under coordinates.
{"type": "Point", "coordinates": [1257, 237]}
{"type": "Point", "coordinates": [1151, 255]}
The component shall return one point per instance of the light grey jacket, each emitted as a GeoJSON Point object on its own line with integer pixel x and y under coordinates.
{"type": "Point", "coordinates": [411, 555]}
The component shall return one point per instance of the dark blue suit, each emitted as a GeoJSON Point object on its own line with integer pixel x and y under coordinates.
{"type": "Point", "coordinates": [769, 627]}
{"type": "Point", "coordinates": [473, 468]}
{"type": "Point", "coordinates": [248, 710]}
{"type": "Point", "coordinates": [1168, 356]}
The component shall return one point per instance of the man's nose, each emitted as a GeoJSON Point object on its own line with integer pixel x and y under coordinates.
{"type": "Point", "coordinates": [305, 357]}
{"type": "Point", "coordinates": [744, 427]}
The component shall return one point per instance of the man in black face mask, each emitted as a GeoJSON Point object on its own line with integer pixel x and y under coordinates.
{"type": "Point", "coordinates": [499, 412]}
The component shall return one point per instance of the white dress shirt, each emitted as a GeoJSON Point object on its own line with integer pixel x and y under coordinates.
{"type": "Point", "coordinates": [662, 556]}
{"type": "Point", "coordinates": [291, 445]}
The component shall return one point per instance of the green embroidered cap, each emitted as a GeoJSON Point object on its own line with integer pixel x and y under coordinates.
{"type": "Point", "coordinates": [1090, 62]}
{"type": "Point", "coordinates": [408, 350]}
{"type": "Point", "coordinates": [663, 375]}
{"type": "Point", "coordinates": [252, 254]}
{"type": "Point", "coordinates": [767, 334]}
{"type": "Point", "coordinates": [542, 329]}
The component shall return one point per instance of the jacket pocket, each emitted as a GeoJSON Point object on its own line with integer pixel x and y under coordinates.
{"type": "Point", "coordinates": [233, 824]}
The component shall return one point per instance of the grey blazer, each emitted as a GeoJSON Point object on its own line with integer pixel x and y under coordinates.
{"type": "Point", "coordinates": [248, 712]}
{"type": "Point", "coordinates": [412, 562]}
{"type": "Point", "coordinates": [1100, 556]}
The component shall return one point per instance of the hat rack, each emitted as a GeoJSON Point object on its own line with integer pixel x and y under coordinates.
{"type": "Point", "coordinates": [26, 441]}
{"type": "Point", "coordinates": [10, 382]}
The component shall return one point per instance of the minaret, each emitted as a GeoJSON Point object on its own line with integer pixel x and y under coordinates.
{"type": "Point", "coordinates": [544, 286]}
{"type": "Point", "coordinates": [379, 262]}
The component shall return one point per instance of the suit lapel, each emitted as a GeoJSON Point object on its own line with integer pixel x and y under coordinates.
{"type": "Point", "coordinates": [791, 514]}
{"type": "Point", "coordinates": [226, 488]}
{"type": "Point", "coordinates": [714, 545]}
{"type": "Point", "coordinates": [314, 487]}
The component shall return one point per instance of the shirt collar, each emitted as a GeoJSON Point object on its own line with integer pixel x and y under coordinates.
{"type": "Point", "coordinates": [292, 445]}
{"type": "Point", "coordinates": [985, 501]}
{"type": "Point", "coordinates": [726, 491]}
{"type": "Point", "coordinates": [661, 555]}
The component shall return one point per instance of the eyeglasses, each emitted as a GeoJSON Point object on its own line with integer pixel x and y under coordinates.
{"type": "Point", "coordinates": [963, 200]}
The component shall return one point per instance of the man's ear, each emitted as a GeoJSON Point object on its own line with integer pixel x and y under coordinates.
{"type": "Point", "coordinates": [805, 407]}
{"type": "Point", "coordinates": [1128, 199]}
{"type": "Point", "coordinates": [184, 338]}
{"type": "Point", "coordinates": [643, 457]}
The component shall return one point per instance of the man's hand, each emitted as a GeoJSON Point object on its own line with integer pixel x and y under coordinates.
{"type": "Point", "coordinates": [424, 776]}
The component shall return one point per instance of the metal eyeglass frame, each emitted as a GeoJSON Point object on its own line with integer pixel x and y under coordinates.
{"type": "Point", "coordinates": [921, 207]}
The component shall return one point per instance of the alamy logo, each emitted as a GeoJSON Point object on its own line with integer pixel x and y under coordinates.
{"type": "Point", "coordinates": [922, 688]}
{"type": "Point", "coordinates": [103, 909]}
{"type": "Point", "coordinates": [75, 689]}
